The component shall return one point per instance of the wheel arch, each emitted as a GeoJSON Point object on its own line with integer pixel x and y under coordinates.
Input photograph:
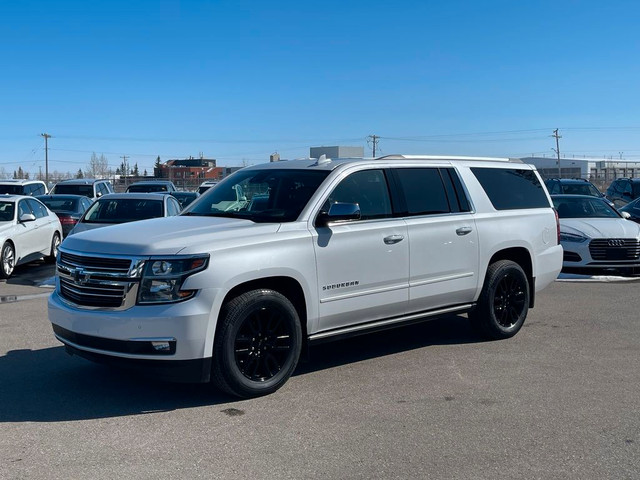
{"type": "Point", "coordinates": [287, 286]}
{"type": "Point", "coordinates": [522, 257]}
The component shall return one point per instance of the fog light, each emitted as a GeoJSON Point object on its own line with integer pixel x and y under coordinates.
{"type": "Point", "coordinates": [161, 346]}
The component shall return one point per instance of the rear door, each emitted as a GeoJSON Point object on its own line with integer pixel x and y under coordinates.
{"type": "Point", "coordinates": [443, 239]}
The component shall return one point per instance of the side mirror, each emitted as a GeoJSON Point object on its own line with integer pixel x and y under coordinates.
{"type": "Point", "coordinates": [626, 215]}
{"type": "Point", "coordinates": [98, 194]}
{"type": "Point", "coordinates": [339, 212]}
{"type": "Point", "coordinates": [27, 217]}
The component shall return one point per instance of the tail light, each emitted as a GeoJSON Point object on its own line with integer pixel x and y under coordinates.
{"type": "Point", "coordinates": [68, 221]}
{"type": "Point", "coordinates": [557, 224]}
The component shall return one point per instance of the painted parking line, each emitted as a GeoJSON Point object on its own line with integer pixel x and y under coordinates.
{"type": "Point", "coordinates": [18, 298]}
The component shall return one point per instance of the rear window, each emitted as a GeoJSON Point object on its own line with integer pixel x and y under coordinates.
{"type": "Point", "coordinates": [511, 189]}
{"type": "Point", "coordinates": [147, 188]}
{"type": "Point", "coordinates": [86, 190]}
{"type": "Point", "coordinates": [12, 189]}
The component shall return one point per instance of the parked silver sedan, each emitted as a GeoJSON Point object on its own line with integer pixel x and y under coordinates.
{"type": "Point", "coordinates": [116, 208]}
{"type": "Point", "coordinates": [28, 231]}
{"type": "Point", "coordinates": [596, 238]}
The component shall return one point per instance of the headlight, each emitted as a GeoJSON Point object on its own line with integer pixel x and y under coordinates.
{"type": "Point", "coordinates": [572, 237]}
{"type": "Point", "coordinates": [163, 278]}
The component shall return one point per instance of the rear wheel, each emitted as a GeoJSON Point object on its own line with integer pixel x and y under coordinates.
{"type": "Point", "coordinates": [55, 243]}
{"type": "Point", "coordinates": [7, 260]}
{"type": "Point", "coordinates": [504, 302]}
{"type": "Point", "coordinates": [257, 344]}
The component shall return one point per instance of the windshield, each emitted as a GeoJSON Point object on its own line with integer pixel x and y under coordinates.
{"type": "Point", "coordinates": [6, 211]}
{"type": "Point", "coordinates": [123, 210]}
{"type": "Point", "coordinates": [260, 195]}
{"type": "Point", "coordinates": [581, 207]}
{"type": "Point", "coordinates": [86, 190]}
{"type": "Point", "coordinates": [581, 189]}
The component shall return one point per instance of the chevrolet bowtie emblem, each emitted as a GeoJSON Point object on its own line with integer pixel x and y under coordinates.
{"type": "Point", "coordinates": [80, 276]}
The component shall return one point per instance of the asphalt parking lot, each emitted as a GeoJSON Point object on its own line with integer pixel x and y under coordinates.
{"type": "Point", "coordinates": [560, 400]}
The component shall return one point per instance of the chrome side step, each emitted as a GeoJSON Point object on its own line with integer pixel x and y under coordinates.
{"type": "Point", "coordinates": [384, 324]}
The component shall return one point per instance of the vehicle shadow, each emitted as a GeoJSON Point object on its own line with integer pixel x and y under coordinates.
{"type": "Point", "coordinates": [32, 273]}
{"type": "Point", "coordinates": [50, 386]}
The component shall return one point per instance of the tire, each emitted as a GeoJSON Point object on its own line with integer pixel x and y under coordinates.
{"type": "Point", "coordinates": [55, 243]}
{"type": "Point", "coordinates": [257, 344]}
{"type": "Point", "coordinates": [7, 260]}
{"type": "Point", "coordinates": [504, 301]}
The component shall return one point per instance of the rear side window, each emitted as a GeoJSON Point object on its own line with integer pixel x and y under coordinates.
{"type": "Point", "coordinates": [423, 190]}
{"type": "Point", "coordinates": [511, 189]}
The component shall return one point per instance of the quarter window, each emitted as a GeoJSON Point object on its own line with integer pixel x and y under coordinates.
{"type": "Point", "coordinates": [511, 189]}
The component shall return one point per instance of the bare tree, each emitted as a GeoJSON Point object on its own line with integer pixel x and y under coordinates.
{"type": "Point", "coordinates": [98, 167]}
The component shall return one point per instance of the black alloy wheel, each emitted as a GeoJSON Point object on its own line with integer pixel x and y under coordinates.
{"type": "Point", "coordinates": [503, 303]}
{"type": "Point", "coordinates": [257, 344]}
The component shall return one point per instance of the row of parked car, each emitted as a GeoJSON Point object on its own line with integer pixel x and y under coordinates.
{"type": "Point", "coordinates": [33, 223]}
{"type": "Point", "coordinates": [596, 233]}
{"type": "Point", "coordinates": [595, 228]}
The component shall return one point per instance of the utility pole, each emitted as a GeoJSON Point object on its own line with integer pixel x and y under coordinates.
{"type": "Point", "coordinates": [46, 158]}
{"type": "Point", "coordinates": [124, 164]}
{"type": "Point", "coordinates": [557, 149]}
{"type": "Point", "coordinates": [374, 139]}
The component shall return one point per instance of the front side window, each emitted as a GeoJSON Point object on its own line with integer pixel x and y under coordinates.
{"type": "Point", "coordinates": [510, 188]}
{"type": "Point", "coordinates": [261, 195]}
{"type": "Point", "coordinates": [38, 209]}
{"type": "Point", "coordinates": [23, 208]}
{"type": "Point", "coordinates": [367, 188]}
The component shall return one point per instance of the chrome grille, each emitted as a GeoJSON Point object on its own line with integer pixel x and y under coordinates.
{"type": "Point", "coordinates": [611, 249]}
{"type": "Point", "coordinates": [119, 265]}
{"type": "Point", "coordinates": [98, 282]}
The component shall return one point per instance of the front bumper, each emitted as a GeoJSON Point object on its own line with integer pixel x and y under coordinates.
{"type": "Point", "coordinates": [172, 337]}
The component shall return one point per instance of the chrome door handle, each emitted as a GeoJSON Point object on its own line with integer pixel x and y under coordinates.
{"type": "Point", "coordinates": [463, 230]}
{"type": "Point", "coordinates": [391, 239]}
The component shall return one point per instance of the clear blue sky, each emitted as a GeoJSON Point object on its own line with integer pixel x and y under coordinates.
{"type": "Point", "coordinates": [238, 80]}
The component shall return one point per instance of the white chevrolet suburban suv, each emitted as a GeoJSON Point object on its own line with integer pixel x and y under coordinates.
{"type": "Point", "coordinates": [281, 255]}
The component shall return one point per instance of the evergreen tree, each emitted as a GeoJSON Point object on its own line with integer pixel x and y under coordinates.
{"type": "Point", "coordinates": [79, 174]}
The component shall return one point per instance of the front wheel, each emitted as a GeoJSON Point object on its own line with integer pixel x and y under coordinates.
{"type": "Point", "coordinates": [7, 260]}
{"type": "Point", "coordinates": [257, 344]}
{"type": "Point", "coordinates": [504, 301]}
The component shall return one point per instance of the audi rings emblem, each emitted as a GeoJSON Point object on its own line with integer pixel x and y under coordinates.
{"type": "Point", "coordinates": [616, 242]}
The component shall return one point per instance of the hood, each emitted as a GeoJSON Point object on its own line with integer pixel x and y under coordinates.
{"type": "Point", "coordinates": [164, 236]}
{"type": "Point", "coordinates": [600, 227]}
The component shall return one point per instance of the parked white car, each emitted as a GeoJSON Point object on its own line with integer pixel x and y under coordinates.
{"type": "Point", "coordinates": [596, 238]}
{"type": "Point", "coordinates": [28, 231]}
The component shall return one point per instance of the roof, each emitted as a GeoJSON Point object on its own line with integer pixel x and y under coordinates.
{"type": "Point", "coordinates": [11, 197]}
{"type": "Point", "coordinates": [82, 181]}
{"type": "Point", "coordinates": [134, 196]}
{"type": "Point", "coordinates": [19, 181]}
{"type": "Point", "coordinates": [332, 163]}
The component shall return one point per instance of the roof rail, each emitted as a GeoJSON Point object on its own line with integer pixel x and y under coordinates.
{"type": "Point", "coordinates": [447, 157]}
